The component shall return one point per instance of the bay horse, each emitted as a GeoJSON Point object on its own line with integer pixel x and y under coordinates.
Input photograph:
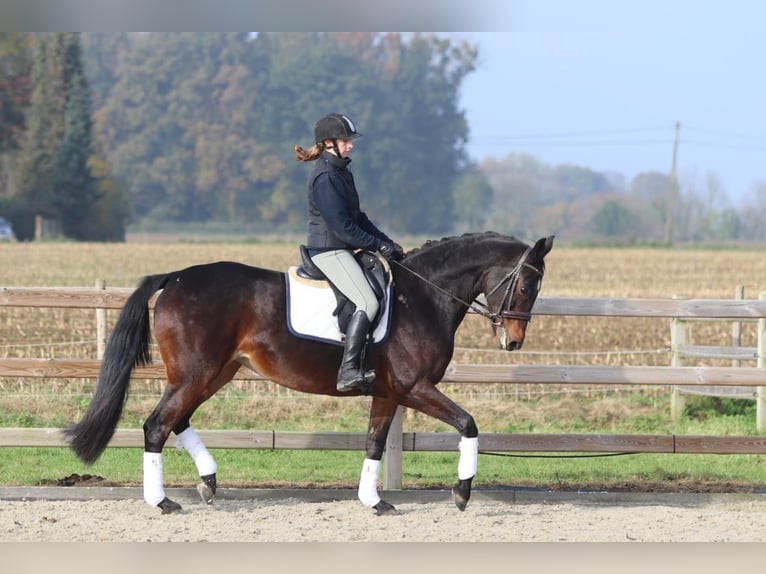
{"type": "Point", "coordinates": [212, 319]}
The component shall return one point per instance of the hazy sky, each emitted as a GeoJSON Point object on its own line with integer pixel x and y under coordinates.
{"type": "Point", "coordinates": [602, 84]}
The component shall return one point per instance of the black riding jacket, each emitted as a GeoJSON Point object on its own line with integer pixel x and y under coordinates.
{"type": "Point", "coordinates": [336, 220]}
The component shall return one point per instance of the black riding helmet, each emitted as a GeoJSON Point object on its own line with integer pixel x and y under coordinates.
{"type": "Point", "coordinates": [335, 127]}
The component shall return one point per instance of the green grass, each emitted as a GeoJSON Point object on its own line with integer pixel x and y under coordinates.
{"type": "Point", "coordinates": [628, 414]}
{"type": "Point", "coordinates": [264, 468]}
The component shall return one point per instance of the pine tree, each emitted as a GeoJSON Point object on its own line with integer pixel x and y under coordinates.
{"type": "Point", "coordinates": [54, 174]}
{"type": "Point", "coordinates": [75, 191]}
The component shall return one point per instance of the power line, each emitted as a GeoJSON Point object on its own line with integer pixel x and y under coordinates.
{"type": "Point", "coordinates": [578, 134]}
{"type": "Point", "coordinates": [756, 139]}
{"type": "Point", "coordinates": [594, 138]}
{"type": "Point", "coordinates": [589, 143]}
{"type": "Point", "coordinates": [742, 147]}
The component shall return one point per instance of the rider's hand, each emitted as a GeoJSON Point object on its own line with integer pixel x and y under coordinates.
{"type": "Point", "coordinates": [389, 251]}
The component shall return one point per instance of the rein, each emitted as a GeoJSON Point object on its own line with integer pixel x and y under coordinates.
{"type": "Point", "coordinates": [480, 308]}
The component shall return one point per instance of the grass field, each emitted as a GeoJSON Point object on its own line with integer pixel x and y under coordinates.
{"type": "Point", "coordinates": [577, 272]}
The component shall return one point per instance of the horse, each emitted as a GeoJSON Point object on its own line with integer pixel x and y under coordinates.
{"type": "Point", "coordinates": [212, 319]}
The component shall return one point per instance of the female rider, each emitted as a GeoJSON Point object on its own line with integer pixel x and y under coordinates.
{"type": "Point", "coordinates": [336, 227]}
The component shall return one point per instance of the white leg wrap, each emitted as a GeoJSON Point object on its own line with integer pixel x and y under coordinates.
{"type": "Point", "coordinates": [154, 491]}
{"type": "Point", "coordinates": [368, 483]}
{"type": "Point", "coordinates": [189, 440]}
{"type": "Point", "coordinates": [469, 458]}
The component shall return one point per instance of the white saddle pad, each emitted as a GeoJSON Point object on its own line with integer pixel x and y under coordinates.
{"type": "Point", "coordinates": [310, 305]}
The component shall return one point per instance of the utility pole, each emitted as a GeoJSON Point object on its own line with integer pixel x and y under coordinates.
{"type": "Point", "coordinates": [672, 187]}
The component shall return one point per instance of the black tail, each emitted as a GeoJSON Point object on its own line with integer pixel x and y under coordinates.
{"type": "Point", "coordinates": [128, 347]}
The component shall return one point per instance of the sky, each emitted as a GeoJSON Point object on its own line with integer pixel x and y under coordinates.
{"type": "Point", "coordinates": [602, 84]}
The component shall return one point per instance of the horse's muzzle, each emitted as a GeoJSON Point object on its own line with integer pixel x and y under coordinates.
{"type": "Point", "coordinates": [508, 341]}
{"type": "Point", "coordinates": [513, 346]}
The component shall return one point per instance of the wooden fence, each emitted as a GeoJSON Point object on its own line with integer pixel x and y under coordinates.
{"type": "Point", "coordinates": [689, 376]}
{"type": "Point", "coordinates": [681, 350]}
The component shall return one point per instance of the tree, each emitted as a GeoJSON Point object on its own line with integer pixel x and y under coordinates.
{"type": "Point", "coordinates": [74, 190]}
{"type": "Point", "coordinates": [614, 220]}
{"type": "Point", "coordinates": [103, 53]}
{"type": "Point", "coordinates": [15, 87]}
{"type": "Point", "coordinates": [420, 132]}
{"type": "Point", "coordinates": [15, 93]}
{"type": "Point", "coordinates": [753, 213]}
{"type": "Point", "coordinates": [202, 126]}
{"type": "Point", "coordinates": [176, 125]}
{"type": "Point", "coordinates": [44, 130]}
{"type": "Point", "coordinates": [578, 181]}
{"type": "Point", "coordinates": [54, 168]}
{"type": "Point", "coordinates": [111, 213]}
{"type": "Point", "coordinates": [472, 197]}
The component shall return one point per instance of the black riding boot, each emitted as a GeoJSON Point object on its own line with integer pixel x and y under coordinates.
{"type": "Point", "coordinates": [352, 374]}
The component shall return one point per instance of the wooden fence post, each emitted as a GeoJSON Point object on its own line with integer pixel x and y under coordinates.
{"type": "Point", "coordinates": [760, 392]}
{"type": "Point", "coordinates": [677, 339]}
{"type": "Point", "coordinates": [736, 327]}
{"type": "Point", "coordinates": [392, 458]}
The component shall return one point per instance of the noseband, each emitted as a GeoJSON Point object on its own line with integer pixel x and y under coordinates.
{"type": "Point", "coordinates": [511, 278]}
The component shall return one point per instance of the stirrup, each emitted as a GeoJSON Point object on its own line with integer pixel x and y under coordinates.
{"type": "Point", "coordinates": [362, 381]}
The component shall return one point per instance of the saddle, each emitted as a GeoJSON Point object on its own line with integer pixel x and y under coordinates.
{"type": "Point", "coordinates": [309, 292]}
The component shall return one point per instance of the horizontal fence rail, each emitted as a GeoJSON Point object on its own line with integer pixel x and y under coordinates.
{"type": "Point", "coordinates": [456, 373]}
{"type": "Point", "coordinates": [689, 376]}
{"type": "Point", "coordinates": [421, 441]}
{"type": "Point", "coordinates": [114, 298]}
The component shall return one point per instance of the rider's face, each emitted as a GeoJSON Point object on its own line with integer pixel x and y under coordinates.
{"type": "Point", "coordinates": [344, 147]}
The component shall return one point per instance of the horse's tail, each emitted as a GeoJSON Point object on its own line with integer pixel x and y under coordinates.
{"type": "Point", "coordinates": [128, 347]}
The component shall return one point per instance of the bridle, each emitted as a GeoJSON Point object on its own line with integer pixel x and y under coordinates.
{"type": "Point", "coordinates": [485, 310]}
{"type": "Point", "coordinates": [506, 309]}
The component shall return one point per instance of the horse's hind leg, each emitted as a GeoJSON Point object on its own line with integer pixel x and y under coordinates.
{"type": "Point", "coordinates": [174, 411]}
{"type": "Point", "coordinates": [155, 437]}
{"type": "Point", "coordinates": [188, 440]}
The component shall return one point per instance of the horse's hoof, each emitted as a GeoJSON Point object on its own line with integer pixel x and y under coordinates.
{"type": "Point", "coordinates": [168, 506]}
{"type": "Point", "coordinates": [207, 488]}
{"type": "Point", "coordinates": [383, 508]}
{"type": "Point", "coordinates": [205, 492]}
{"type": "Point", "coordinates": [461, 493]}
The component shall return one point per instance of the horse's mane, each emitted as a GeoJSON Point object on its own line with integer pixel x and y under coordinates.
{"type": "Point", "coordinates": [459, 240]}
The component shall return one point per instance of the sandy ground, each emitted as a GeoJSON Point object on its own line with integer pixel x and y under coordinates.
{"type": "Point", "coordinates": [121, 516]}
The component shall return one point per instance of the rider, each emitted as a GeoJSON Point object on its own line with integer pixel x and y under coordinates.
{"type": "Point", "coordinates": [336, 227]}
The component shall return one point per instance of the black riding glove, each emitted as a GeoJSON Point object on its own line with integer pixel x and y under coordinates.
{"type": "Point", "coordinates": [389, 251]}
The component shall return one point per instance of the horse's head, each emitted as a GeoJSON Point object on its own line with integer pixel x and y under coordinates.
{"type": "Point", "coordinates": [511, 293]}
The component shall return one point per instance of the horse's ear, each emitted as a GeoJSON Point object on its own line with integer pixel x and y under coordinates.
{"type": "Point", "coordinates": [543, 246]}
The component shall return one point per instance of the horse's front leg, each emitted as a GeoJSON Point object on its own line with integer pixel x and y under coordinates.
{"type": "Point", "coordinates": [466, 470]}
{"type": "Point", "coordinates": [382, 412]}
{"type": "Point", "coordinates": [426, 398]}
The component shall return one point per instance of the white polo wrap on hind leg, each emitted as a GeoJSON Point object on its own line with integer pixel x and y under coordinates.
{"type": "Point", "coordinates": [154, 491]}
{"type": "Point", "coordinates": [368, 482]}
{"type": "Point", "coordinates": [469, 458]}
{"type": "Point", "coordinates": [189, 441]}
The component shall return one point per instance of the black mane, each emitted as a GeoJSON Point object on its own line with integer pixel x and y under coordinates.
{"type": "Point", "coordinates": [459, 240]}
